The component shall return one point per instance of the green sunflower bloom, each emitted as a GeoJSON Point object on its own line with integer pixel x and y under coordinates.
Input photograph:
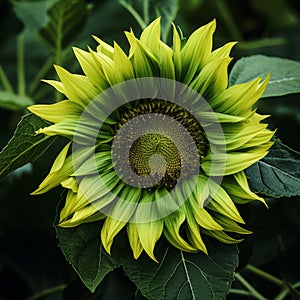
{"type": "Point", "coordinates": [158, 142]}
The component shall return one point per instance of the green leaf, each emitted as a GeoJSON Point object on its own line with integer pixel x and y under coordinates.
{"type": "Point", "coordinates": [66, 20]}
{"type": "Point", "coordinates": [32, 14]}
{"type": "Point", "coordinates": [167, 9]}
{"type": "Point", "coordinates": [13, 101]}
{"type": "Point", "coordinates": [82, 247]}
{"type": "Point", "coordinates": [114, 286]}
{"type": "Point", "coordinates": [285, 73]}
{"type": "Point", "coordinates": [25, 146]}
{"type": "Point", "coordinates": [277, 174]}
{"type": "Point", "coordinates": [178, 275]}
{"type": "Point", "coordinates": [181, 275]}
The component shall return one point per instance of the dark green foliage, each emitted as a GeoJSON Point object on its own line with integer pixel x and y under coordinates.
{"type": "Point", "coordinates": [66, 18]}
{"type": "Point", "coordinates": [285, 74]}
{"type": "Point", "coordinates": [178, 274]}
{"type": "Point", "coordinates": [277, 174]}
{"type": "Point", "coordinates": [25, 146]}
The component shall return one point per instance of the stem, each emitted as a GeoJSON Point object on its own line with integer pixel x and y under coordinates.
{"type": "Point", "coordinates": [286, 291]}
{"type": "Point", "coordinates": [47, 292]}
{"type": "Point", "coordinates": [165, 30]}
{"type": "Point", "coordinates": [265, 275]}
{"type": "Point", "coordinates": [134, 13]}
{"type": "Point", "coordinates": [240, 292]}
{"type": "Point", "coordinates": [20, 65]}
{"type": "Point", "coordinates": [58, 54]}
{"type": "Point", "coordinates": [228, 20]}
{"type": "Point", "coordinates": [146, 11]}
{"type": "Point", "coordinates": [43, 70]}
{"type": "Point", "coordinates": [5, 82]}
{"type": "Point", "coordinates": [249, 287]}
{"type": "Point", "coordinates": [267, 42]}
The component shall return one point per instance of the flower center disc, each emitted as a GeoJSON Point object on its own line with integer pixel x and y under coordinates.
{"type": "Point", "coordinates": [161, 141]}
{"type": "Point", "coordinates": [157, 155]}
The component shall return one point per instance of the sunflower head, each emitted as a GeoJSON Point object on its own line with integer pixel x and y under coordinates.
{"type": "Point", "coordinates": [158, 142]}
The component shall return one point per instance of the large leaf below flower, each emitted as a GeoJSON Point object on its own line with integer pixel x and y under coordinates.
{"type": "Point", "coordinates": [285, 73]}
{"type": "Point", "coordinates": [278, 174]}
{"type": "Point", "coordinates": [181, 275]}
{"type": "Point", "coordinates": [25, 146]}
{"type": "Point", "coordinates": [178, 275]}
{"type": "Point", "coordinates": [82, 248]}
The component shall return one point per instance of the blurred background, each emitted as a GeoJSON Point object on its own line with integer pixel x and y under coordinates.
{"type": "Point", "coordinates": [30, 260]}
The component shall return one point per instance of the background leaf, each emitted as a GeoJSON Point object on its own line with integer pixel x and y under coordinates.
{"type": "Point", "coordinates": [66, 19]}
{"type": "Point", "coordinates": [25, 146]}
{"type": "Point", "coordinates": [167, 9]}
{"type": "Point", "coordinates": [13, 101]}
{"type": "Point", "coordinates": [277, 174]}
{"type": "Point", "coordinates": [32, 13]}
{"type": "Point", "coordinates": [285, 73]}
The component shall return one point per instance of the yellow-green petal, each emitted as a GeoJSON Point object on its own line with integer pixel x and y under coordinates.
{"type": "Point", "coordinates": [222, 52]}
{"type": "Point", "coordinates": [122, 65]}
{"type": "Point", "coordinates": [233, 162]}
{"type": "Point", "coordinates": [144, 62]}
{"type": "Point", "coordinates": [84, 215]}
{"type": "Point", "coordinates": [71, 183]}
{"type": "Point", "coordinates": [222, 237]}
{"type": "Point", "coordinates": [91, 68]}
{"type": "Point", "coordinates": [239, 99]}
{"type": "Point", "coordinates": [205, 220]}
{"type": "Point", "coordinates": [230, 225]}
{"type": "Point", "coordinates": [69, 204]}
{"type": "Point", "coordinates": [98, 163]}
{"type": "Point", "coordinates": [134, 240]}
{"type": "Point", "coordinates": [60, 171]}
{"type": "Point", "coordinates": [104, 48]}
{"type": "Point", "coordinates": [222, 203]}
{"type": "Point", "coordinates": [77, 88]}
{"type": "Point", "coordinates": [56, 112]}
{"type": "Point", "coordinates": [121, 214]}
{"type": "Point", "coordinates": [150, 36]}
{"type": "Point", "coordinates": [193, 230]}
{"type": "Point", "coordinates": [56, 84]}
{"type": "Point", "coordinates": [149, 234]}
{"type": "Point", "coordinates": [212, 79]}
{"type": "Point", "coordinates": [238, 188]}
{"type": "Point", "coordinates": [64, 128]}
{"type": "Point", "coordinates": [176, 53]}
{"type": "Point", "coordinates": [110, 229]}
{"type": "Point", "coordinates": [99, 191]}
{"type": "Point", "coordinates": [172, 227]}
{"type": "Point", "coordinates": [195, 54]}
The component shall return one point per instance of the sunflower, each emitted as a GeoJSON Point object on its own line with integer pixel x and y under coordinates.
{"type": "Point", "coordinates": [158, 142]}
